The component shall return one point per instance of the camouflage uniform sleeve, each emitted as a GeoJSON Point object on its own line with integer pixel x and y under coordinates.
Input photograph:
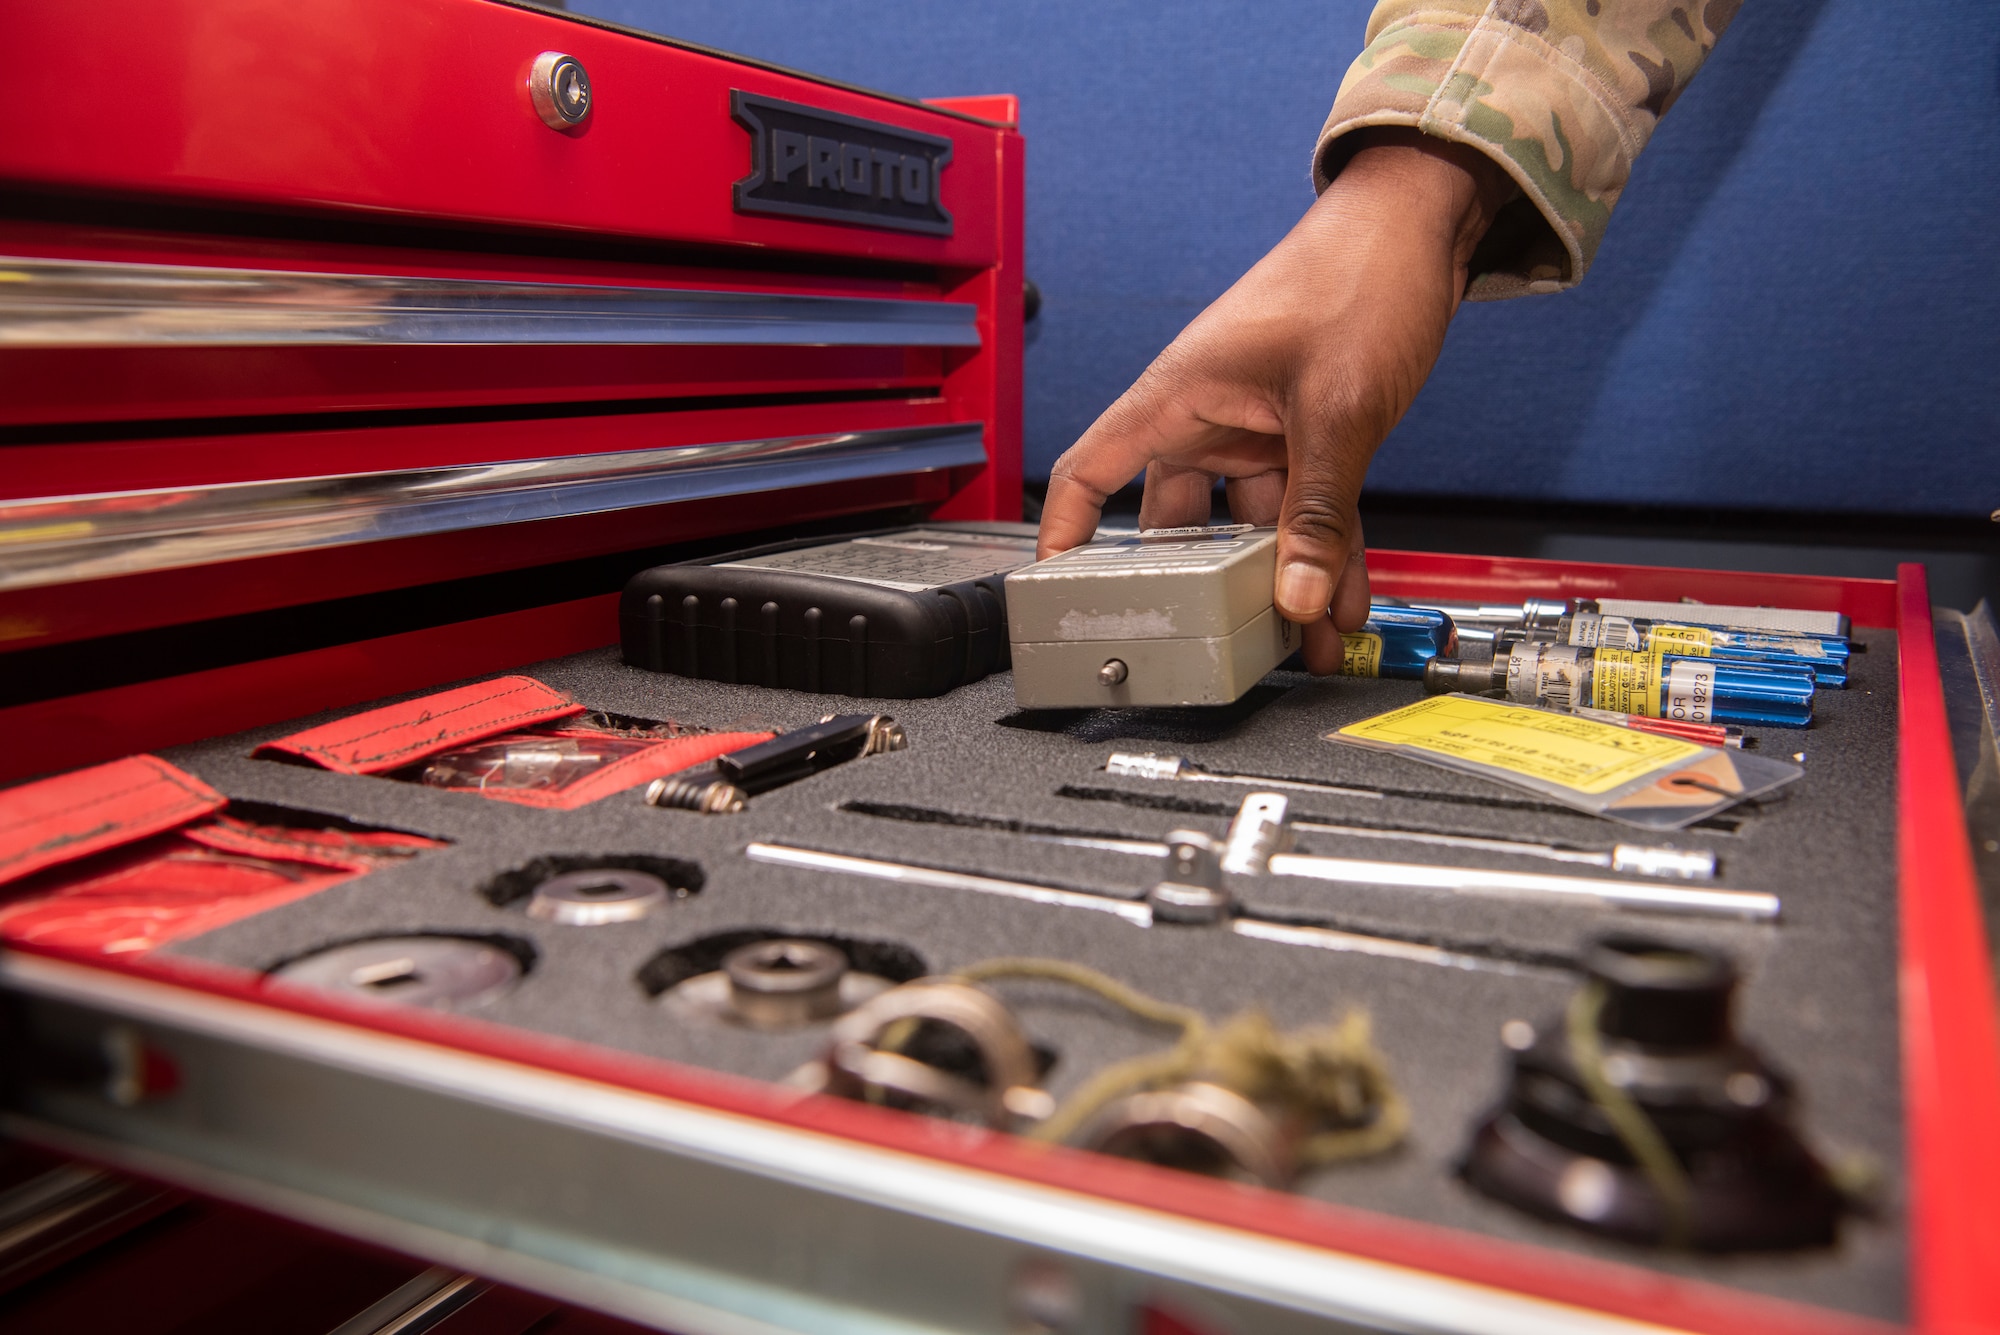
{"type": "Point", "coordinates": [1561, 93]}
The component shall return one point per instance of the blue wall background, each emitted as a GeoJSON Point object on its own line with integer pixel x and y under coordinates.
{"type": "Point", "coordinates": [1798, 305]}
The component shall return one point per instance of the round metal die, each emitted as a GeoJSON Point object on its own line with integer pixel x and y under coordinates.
{"type": "Point", "coordinates": [597, 896]}
{"type": "Point", "coordinates": [785, 982]}
{"type": "Point", "coordinates": [560, 89]}
{"type": "Point", "coordinates": [711, 998]}
{"type": "Point", "coordinates": [855, 1065]}
{"type": "Point", "coordinates": [436, 971]}
{"type": "Point", "coordinates": [1197, 1126]}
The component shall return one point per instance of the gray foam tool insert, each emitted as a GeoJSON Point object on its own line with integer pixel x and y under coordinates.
{"type": "Point", "coordinates": [1820, 993]}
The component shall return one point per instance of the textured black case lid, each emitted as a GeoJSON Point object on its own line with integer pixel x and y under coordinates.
{"type": "Point", "coordinates": [720, 620]}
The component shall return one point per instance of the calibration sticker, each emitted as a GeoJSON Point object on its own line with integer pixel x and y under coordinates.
{"type": "Point", "coordinates": [1576, 753]}
{"type": "Point", "coordinates": [1360, 654]}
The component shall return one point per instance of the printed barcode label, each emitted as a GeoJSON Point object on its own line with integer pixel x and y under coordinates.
{"type": "Point", "coordinates": [1545, 675]}
{"type": "Point", "coordinates": [1690, 692]}
{"type": "Point", "coordinates": [1587, 630]}
{"type": "Point", "coordinates": [1626, 682]}
{"type": "Point", "coordinates": [1557, 690]}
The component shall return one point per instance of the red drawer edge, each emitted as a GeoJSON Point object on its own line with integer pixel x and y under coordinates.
{"type": "Point", "coordinates": [1866, 602]}
{"type": "Point", "coordinates": [1951, 1044]}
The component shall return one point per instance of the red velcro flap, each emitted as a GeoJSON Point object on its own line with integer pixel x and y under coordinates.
{"type": "Point", "coordinates": [393, 736]}
{"type": "Point", "coordinates": [90, 810]}
{"type": "Point", "coordinates": [342, 850]}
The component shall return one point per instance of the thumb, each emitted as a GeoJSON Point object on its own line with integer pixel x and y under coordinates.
{"type": "Point", "coordinates": [1319, 527]}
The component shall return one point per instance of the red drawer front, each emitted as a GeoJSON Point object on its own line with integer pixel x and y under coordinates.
{"type": "Point", "coordinates": [138, 385]}
{"type": "Point", "coordinates": [420, 109]}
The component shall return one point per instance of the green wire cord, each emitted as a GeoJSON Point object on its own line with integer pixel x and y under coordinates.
{"type": "Point", "coordinates": [1636, 1131]}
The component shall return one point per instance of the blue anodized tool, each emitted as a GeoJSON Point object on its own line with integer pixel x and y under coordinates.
{"type": "Point", "coordinates": [1825, 655]}
{"type": "Point", "coordinates": [1397, 642]}
{"type": "Point", "coordinates": [1652, 685]}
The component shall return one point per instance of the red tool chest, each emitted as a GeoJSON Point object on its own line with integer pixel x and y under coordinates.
{"type": "Point", "coordinates": [309, 308]}
{"type": "Point", "coordinates": [307, 302]}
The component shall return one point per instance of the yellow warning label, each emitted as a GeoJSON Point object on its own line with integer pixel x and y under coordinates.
{"type": "Point", "coordinates": [1626, 681]}
{"type": "Point", "coordinates": [1361, 655]}
{"type": "Point", "coordinates": [1693, 641]}
{"type": "Point", "coordinates": [1577, 753]}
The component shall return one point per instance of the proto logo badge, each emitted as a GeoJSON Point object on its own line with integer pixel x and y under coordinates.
{"type": "Point", "coordinates": [808, 163]}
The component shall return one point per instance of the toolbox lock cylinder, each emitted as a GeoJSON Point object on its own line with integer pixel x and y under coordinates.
{"type": "Point", "coordinates": [559, 87]}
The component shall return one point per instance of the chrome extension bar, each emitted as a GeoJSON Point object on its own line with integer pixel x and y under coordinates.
{"type": "Point", "coordinates": [79, 303]}
{"type": "Point", "coordinates": [60, 539]}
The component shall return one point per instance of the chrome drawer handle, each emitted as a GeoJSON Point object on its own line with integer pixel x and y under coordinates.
{"type": "Point", "coordinates": [79, 303]}
{"type": "Point", "coordinates": [63, 539]}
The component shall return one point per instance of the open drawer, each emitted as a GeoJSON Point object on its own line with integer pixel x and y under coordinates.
{"type": "Point", "coordinates": [578, 1140]}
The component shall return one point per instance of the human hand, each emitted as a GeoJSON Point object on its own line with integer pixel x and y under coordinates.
{"type": "Point", "coordinates": [1287, 384]}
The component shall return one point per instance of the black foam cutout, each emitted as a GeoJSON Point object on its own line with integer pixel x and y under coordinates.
{"type": "Point", "coordinates": [522, 949]}
{"type": "Point", "coordinates": [1181, 726]}
{"type": "Point", "coordinates": [272, 813]}
{"type": "Point", "coordinates": [1162, 801]}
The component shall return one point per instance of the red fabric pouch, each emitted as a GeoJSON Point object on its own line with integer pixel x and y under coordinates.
{"type": "Point", "coordinates": [482, 739]}
{"type": "Point", "coordinates": [379, 740]}
{"type": "Point", "coordinates": [130, 855]}
{"type": "Point", "coordinates": [72, 815]}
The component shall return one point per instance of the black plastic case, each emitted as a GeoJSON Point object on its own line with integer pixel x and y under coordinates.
{"type": "Point", "coordinates": [789, 621]}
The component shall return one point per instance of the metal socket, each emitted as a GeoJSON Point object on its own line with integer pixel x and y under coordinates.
{"type": "Point", "coordinates": [862, 1061]}
{"type": "Point", "coordinates": [1199, 1127]}
{"type": "Point", "coordinates": [596, 896]}
{"type": "Point", "coordinates": [435, 971]}
{"type": "Point", "coordinates": [784, 983]}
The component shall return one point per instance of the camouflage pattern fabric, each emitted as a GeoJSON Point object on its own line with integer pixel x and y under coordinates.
{"type": "Point", "coordinates": [1561, 93]}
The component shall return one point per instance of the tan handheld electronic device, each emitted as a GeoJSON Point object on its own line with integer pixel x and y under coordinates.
{"type": "Point", "coordinates": [1174, 616]}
